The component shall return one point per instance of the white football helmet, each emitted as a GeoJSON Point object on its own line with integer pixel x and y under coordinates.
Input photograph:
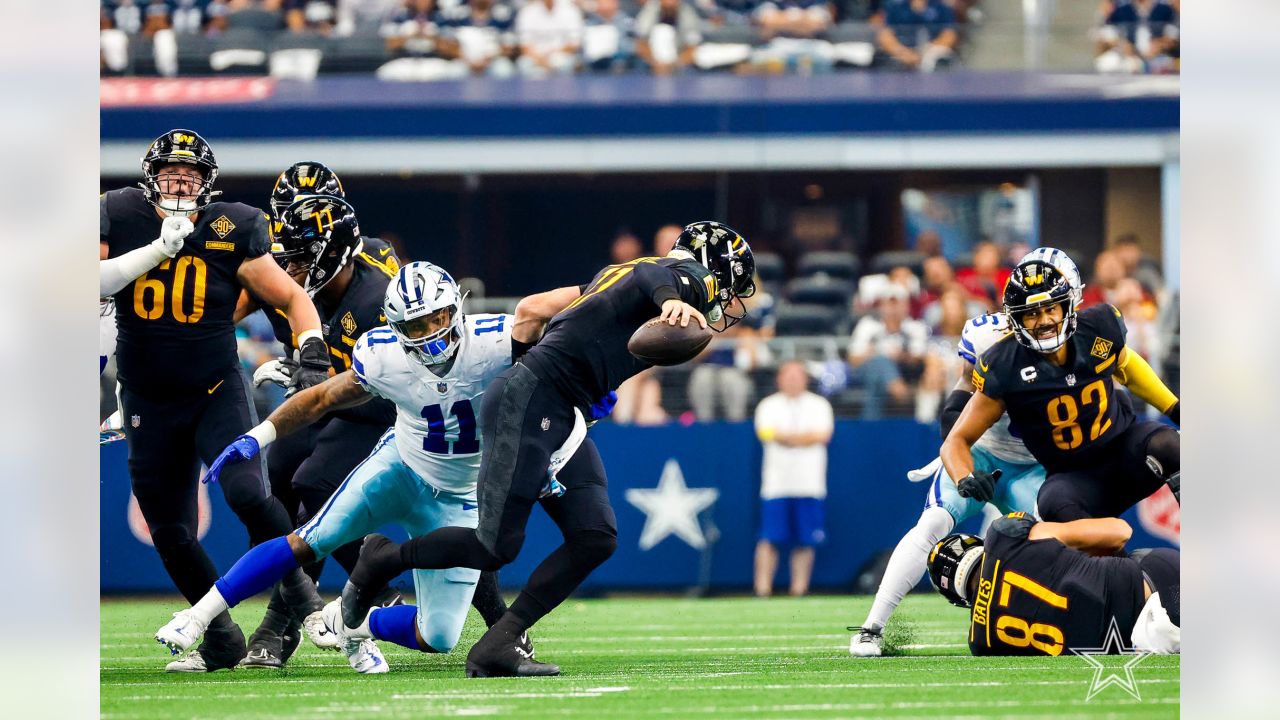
{"type": "Point", "coordinates": [1063, 264]}
{"type": "Point", "coordinates": [423, 306]}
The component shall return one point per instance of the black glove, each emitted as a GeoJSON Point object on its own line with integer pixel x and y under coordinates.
{"type": "Point", "coordinates": [313, 366]}
{"type": "Point", "coordinates": [980, 486]}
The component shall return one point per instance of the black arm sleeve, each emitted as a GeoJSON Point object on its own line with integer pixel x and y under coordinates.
{"type": "Point", "coordinates": [659, 283]}
{"type": "Point", "coordinates": [518, 349]}
{"type": "Point", "coordinates": [951, 410]}
{"type": "Point", "coordinates": [104, 219]}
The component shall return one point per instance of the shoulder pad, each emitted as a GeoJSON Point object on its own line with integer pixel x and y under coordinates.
{"type": "Point", "coordinates": [365, 356]}
{"type": "Point", "coordinates": [980, 333]}
{"type": "Point", "coordinates": [1014, 525]}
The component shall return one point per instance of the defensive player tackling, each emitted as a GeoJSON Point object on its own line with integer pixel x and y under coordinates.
{"type": "Point", "coordinates": [434, 363]}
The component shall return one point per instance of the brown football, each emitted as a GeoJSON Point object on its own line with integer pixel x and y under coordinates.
{"type": "Point", "coordinates": [659, 343]}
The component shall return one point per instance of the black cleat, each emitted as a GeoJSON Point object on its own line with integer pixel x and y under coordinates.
{"type": "Point", "coordinates": [379, 564]}
{"type": "Point", "coordinates": [223, 649]}
{"type": "Point", "coordinates": [500, 655]}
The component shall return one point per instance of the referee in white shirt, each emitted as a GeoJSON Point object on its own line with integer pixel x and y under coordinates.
{"type": "Point", "coordinates": [795, 426]}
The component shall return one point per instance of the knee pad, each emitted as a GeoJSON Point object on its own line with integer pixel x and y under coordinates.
{"type": "Point", "coordinates": [171, 539]}
{"type": "Point", "coordinates": [593, 546]}
{"type": "Point", "coordinates": [507, 548]}
{"type": "Point", "coordinates": [935, 523]}
{"type": "Point", "coordinates": [1164, 453]}
{"type": "Point", "coordinates": [1057, 503]}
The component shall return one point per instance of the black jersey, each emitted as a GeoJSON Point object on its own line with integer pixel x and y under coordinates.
{"type": "Point", "coordinates": [584, 351]}
{"type": "Point", "coordinates": [1066, 415]}
{"type": "Point", "coordinates": [176, 333]}
{"type": "Point", "coordinates": [1040, 597]}
{"type": "Point", "coordinates": [356, 312]}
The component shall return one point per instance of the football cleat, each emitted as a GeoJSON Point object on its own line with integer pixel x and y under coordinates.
{"type": "Point", "coordinates": [356, 643]}
{"type": "Point", "coordinates": [263, 656]}
{"type": "Point", "coordinates": [500, 655]}
{"type": "Point", "coordinates": [321, 635]}
{"type": "Point", "coordinates": [379, 564]}
{"type": "Point", "coordinates": [192, 662]}
{"type": "Point", "coordinates": [289, 642]}
{"type": "Point", "coordinates": [866, 643]}
{"type": "Point", "coordinates": [180, 633]}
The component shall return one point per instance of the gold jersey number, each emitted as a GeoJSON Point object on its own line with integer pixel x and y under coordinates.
{"type": "Point", "coordinates": [189, 278]}
{"type": "Point", "coordinates": [1017, 632]}
{"type": "Point", "coordinates": [1064, 412]}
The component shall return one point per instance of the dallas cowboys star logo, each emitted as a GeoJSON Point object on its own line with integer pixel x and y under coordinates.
{"type": "Point", "coordinates": [672, 508]}
{"type": "Point", "coordinates": [1112, 644]}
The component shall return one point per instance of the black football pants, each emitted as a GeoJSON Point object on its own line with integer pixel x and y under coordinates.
{"type": "Point", "coordinates": [523, 421]}
{"type": "Point", "coordinates": [1115, 481]}
{"type": "Point", "coordinates": [168, 438]}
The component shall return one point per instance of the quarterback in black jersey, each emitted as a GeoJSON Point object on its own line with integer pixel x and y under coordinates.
{"type": "Point", "coordinates": [532, 409]}
{"type": "Point", "coordinates": [1044, 588]}
{"type": "Point", "coordinates": [183, 394]}
{"type": "Point", "coordinates": [1055, 375]}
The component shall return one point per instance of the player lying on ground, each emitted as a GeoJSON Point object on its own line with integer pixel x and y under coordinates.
{"type": "Point", "coordinates": [536, 406]}
{"type": "Point", "coordinates": [1042, 588]}
{"type": "Point", "coordinates": [1016, 474]}
{"type": "Point", "coordinates": [1055, 376]}
{"type": "Point", "coordinates": [182, 391]}
{"type": "Point", "coordinates": [434, 363]}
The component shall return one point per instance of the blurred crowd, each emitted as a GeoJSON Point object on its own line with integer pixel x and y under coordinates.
{"type": "Point", "coordinates": [441, 39]}
{"type": "Point", "coordinates": [897, 326]}
{"type": "Point", "coordinates": [1138, 36]}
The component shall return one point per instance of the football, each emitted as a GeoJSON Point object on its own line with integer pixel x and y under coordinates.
{"type": "Point", "coordinates": [659, 343]}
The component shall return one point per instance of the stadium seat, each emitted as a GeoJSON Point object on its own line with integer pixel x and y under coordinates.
{"type": "Point", "coordinates": [193, 55]}
{"type": "Point", "coordinates": [362, 52]}
{"type": "Point", "coordinates": [890, 259]}
{"type": "Point", "coordinates": [820, 290]}
{"type": "Point", "coordinates": [796, 319]}
{"type": "Point", "coordinates": [835, 264]}
{"type": "Point", "coordinates": [770, 267]}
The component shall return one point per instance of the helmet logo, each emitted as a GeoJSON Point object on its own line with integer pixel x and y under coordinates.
{"type": "Point", "coordinates": [307, 181]}
{"type": "Point", "coordinates": [1034, 279]}
{"type": "Point", "coordinates": [222, 226]}
{"type": "Point", "coordinates": [183, 139]}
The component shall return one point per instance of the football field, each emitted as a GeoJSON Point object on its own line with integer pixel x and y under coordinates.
{"type": "Point", "coordinates": [642, 658]}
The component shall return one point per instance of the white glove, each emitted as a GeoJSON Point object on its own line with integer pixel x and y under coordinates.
{"type": "Point", "coordinates": [277, 371]}
{"type": "Point", "coordinates": [173, 231]}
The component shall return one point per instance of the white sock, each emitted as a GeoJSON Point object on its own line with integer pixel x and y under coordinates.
{"type": "Point", "coordinates": [210, 606]}
{"type": "Point", "coordinates": [907, 564]}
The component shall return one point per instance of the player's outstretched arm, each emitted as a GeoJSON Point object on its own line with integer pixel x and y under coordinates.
{"type": "Point", "coordinates": [338, 392]}
{"type": "Point", "coordinates": [1094, 536]}
{"type": "Point", "coordinates": [979, 414]}
{"type": "Point", "coordinates": [1135, 373]}
{"type": "Point", "coordinates": [535, 311]}
{"type": "Point", "coordinates": [272, 285]}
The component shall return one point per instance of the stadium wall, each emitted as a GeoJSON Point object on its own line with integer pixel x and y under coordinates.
{"type": "Point", "coordinates": [870, 505]}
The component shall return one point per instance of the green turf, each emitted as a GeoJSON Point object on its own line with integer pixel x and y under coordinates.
{"type": "Point", "coordinates": [641, 658]}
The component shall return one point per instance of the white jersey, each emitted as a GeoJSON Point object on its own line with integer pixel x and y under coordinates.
{"type": "Point", "coordinates": [437, 417]}
{"type": "Point", "coordinates": [979, 334]}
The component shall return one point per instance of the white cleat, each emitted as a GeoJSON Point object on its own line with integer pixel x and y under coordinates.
{"type": "Point", "coordinates": [180, 633]}
{"type": "Point", "coordinates": [322, 635]}
{"type": "Point", "coordinates": [192, 662]}
{"type": "Point", "coordinates": [365, 657]}
{"type": "Point", "coordinates": [866, 643]}
{"type": "Point", "coordinates": [357, 644]}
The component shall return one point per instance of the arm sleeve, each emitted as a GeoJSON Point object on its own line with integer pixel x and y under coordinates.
{"type": "Point", "coordinates": [115, 273]}
{"type": "Point", "coordinates": [951, 410]}
{"type": "Point", "coordinates": [1136, 374]}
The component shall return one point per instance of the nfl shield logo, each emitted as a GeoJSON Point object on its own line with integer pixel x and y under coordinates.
{"type": "Point", "coordinates": [135, 421]}
{"type": "Point", "coordinates": [1071, 380]}
{"type": "Point", "coordinates": [442, 388]}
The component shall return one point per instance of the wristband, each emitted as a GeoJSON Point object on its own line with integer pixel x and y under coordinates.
{"type": "Point", "coordinates": [264, 432]}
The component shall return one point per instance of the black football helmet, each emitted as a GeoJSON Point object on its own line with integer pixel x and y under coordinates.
{"type": "Point", "coordinates": [951, 562]}
{"type": "Point", "coordinates": [1035, 284]}
{"type": "Point", "coordinates": [303, 178]}
{"type": "Point", "coordinates": [727, 255]}
{"type": "Point", "coordinates": [318, 236]}
{"type": "Point", "coordinates": [184, 147]}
